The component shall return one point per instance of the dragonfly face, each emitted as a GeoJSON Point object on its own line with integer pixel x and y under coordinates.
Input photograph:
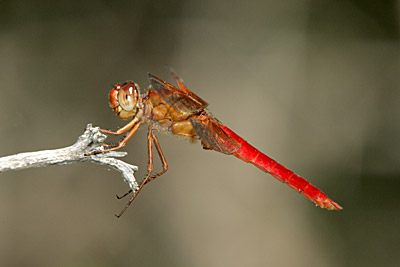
{"type": "Point", "coordinates": [123, 99]}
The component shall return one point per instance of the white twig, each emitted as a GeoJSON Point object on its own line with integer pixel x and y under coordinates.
{"type": "Point", "coordinates": [90, 141]}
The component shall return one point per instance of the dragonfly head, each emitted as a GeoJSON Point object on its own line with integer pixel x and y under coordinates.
{"type": "Point", "coordinates": [123, 99]}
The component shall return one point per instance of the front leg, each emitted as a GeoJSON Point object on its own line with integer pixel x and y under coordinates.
{"type": "Point", "coordinates": [121, 144]}
{"type": "Point", "coordinates": [123, 129]}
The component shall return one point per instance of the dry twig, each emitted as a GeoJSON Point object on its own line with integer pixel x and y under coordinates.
{"type": "Point", "coordinates": [90, 141]}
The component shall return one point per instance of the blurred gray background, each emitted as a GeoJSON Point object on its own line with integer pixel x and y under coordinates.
{"type": "Point", "coordinates": [313, 84]}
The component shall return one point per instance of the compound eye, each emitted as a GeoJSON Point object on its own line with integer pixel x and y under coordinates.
{"type": "Point", "coordinates": [128, 96]}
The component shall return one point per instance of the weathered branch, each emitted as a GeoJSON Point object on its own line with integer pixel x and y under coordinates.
{"type": "Point", "coordinates": [90, 141]}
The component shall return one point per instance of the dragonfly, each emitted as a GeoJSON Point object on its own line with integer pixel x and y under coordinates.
{"type": "Point", "coordinates": [180, 112]}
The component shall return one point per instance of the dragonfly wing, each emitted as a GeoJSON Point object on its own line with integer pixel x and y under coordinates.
{"type": "Point", "coordinates": [178, 79]}
{"type": "Point", "coordinates": [182, 87]}
{"type": "Point", "coordinates": [180, 99]}
{"type": "Point", "coordinates": [209, 130]}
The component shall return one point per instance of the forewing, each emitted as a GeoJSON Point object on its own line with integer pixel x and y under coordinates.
{"type": "Point", "coordinates": [207, 128]}
{"type": "Point", "coordinates": [183, 100]}
{"type": "Point", "coordinates": [182, 87]}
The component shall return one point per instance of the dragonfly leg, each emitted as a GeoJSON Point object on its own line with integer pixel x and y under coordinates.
{"type": "Point", "coordinates": [122, 143]}
{"type": "Point", "coordinates": [149, 170]}
{"type": "Point", "coordinates": [162, 157]}
{"type": "Point", "coordinates": [123, 129]}
{"type": "Point", "coordinates": [124, 195]}
{"type": "Point", "coordinates": [164, 163]}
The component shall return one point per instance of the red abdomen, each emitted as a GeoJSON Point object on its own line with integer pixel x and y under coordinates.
{"type": "Point", "coordinates": [250, 154]}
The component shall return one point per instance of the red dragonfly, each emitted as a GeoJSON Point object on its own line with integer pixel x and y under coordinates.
{"type": "Point", "coordinates": [179, 111]}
